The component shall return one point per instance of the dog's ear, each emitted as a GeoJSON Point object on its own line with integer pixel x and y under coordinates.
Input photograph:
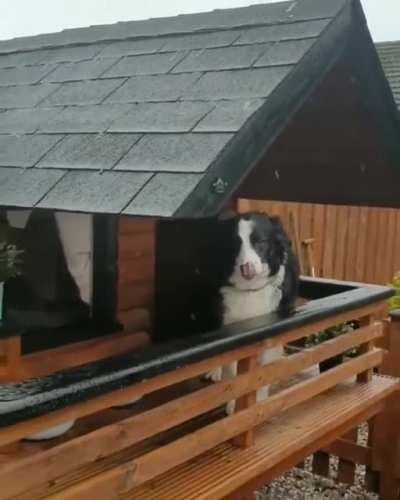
{"type": "Point", "coordinates": [276, 222]}
{"type": "Point", "coordinates": [281, 234]}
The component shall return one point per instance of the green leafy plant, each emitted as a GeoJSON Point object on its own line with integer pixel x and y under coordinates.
{"type": "Point", "coordinates": [394, 302]}
{"type": "Point", "coordinates": [329, 333]}
{"type": "Point", "coordinates": [10, 261]}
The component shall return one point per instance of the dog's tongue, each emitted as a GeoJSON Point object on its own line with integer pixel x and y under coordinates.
{"type": "Point", "coordinates": [248, 271]}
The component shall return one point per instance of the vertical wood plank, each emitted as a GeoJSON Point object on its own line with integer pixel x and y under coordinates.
{"type": "Point", "coordinates": [366, 376]}
{"type": "Point", "coordinates": [318, 235]}
{"type": "Point", "coordinates": [361, 251]}
{"type": "Point", "coordinates": [295, 235]}
{"type": "Point", "coordinates": [340, 245]}
{"type": "Point", "coordinates": [385, 435]}
{"type": "Point", "coordinates": [247, 438]}
{"type": "Point", "coordinates": [372, 246]}
{"type": "Point", "coordinates": [396, 258]}
{"type": "Point", "coordinates": [136, 268]}
{"type": "Point", "coordinates": [329, 242]}
{"type": "Point", "coordinates": [243, 205]}
{"type": "Point", "coordinates": [371, 476]}
{"type": "Point", "coordinates": [346, 468]}
{"type": "Point", "coordinates": [351, 246]}
{"type": "Point", "coordinates": [320, 463]}
{"type": "Point", "coordinates": [11, 358]}
{"type": "Point", "coordinates": [381, 247]}
{"type": "Point", "coordinates": [390, 268]}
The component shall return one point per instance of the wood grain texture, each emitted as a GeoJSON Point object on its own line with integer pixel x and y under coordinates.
{"type": "Point", "coordinates": [139, 470]}
{"type": "Point", "coordinates": [279, 445]}
{"type": "Point", "coordinates": [136, 268]}
{"type": "Point", "coordinates": [127, 432]}
{"type": "Point", "coordinates": [43, 363]}
{"type": "Point", "coordinates": [346, 466]}
{"type": "Point", "coordinates": [350, 243]}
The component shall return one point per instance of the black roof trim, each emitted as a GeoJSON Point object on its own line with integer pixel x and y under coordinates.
{"type": "Point", "coordinates": [26, 400]}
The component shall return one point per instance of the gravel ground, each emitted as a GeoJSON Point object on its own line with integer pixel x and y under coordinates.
{"type": "Point", "coordinates": [302, 484]}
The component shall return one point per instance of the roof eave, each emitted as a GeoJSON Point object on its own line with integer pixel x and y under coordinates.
{"type": "Point", "coordinates": [259, 133]}
{"type": "Point", "coordinates": [250, 144]}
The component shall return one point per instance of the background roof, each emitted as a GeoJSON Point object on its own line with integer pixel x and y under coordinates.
{"type": "Point", "coordinates": [389, 54]}
{"type": "Point", "coordinates": [130, 118]}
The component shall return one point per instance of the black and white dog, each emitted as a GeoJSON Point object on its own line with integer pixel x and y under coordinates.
{"type": "Point", "coordinates": [230, 270]}
{"type": "Point", "coordinates": [264, 279]}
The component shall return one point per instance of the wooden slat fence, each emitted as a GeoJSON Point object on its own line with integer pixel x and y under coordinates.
{"type": "Point", "coordinates": [350, 243]}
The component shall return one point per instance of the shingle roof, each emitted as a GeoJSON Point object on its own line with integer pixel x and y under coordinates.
{"type": "Point", "coordinates": [131, 117]}
{"type": "Point", "coordinates": [389, 54]}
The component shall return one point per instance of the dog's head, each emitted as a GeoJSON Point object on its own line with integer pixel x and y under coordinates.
{"type": "Point", "coordinates": [260, 248]}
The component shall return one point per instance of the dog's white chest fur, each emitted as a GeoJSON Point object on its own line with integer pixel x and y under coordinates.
{"type": "Point", "coordinates": [240, 305]}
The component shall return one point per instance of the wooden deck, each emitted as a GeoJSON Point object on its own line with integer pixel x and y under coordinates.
{"type": "Point", "coordinates": [177, 441]}
{"type": "Point", "coordinates": [279, 444]}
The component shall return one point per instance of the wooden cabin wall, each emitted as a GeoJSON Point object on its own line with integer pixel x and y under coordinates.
{"type": "Point", "coordinates": [331, 152]}
{"type": "Point", "coordinates": [136, 262]}
{"type": "Point", "coordinates": [350, 243]}
{"type": "Point", "coordinates": [332, 167]}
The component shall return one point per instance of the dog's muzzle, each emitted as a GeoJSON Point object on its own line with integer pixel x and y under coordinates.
{"type": "Point", "coordinates": [248, 271]}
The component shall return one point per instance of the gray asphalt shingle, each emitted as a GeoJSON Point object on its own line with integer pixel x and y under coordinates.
{"type": "Point", "coordinates": [26, 187]}
{"type": "Point", "coordinates": [83, 70]}
{"type": "Point", "coordinates": [22, 58]}
{"type": "Point", "coordinates": [223, 58]}
{"type": "Point", "coordinates": [92, 118]}
{"type": "Point", "coordinates": [25, 121]}
{"type": "Point", "coordinates": [239, 84]}
{"type": "Point", "coordinates": [228, 116]}
{"type": "Point", "coordinates": [25, 96]}
{"type": "Point", "coordinates": [83, 92]}
{"type": "Point", "coordinates": [24, 150]}
{"type": "Point", "coordinates": [389, 54]}
{"type": "Point", "coordinates": [201, 41]}
{"type": "Point", "coordinates": [162, 117]}
{"type": "Point", "coordinates": [174, 152]}
{"type": "Point", "coordinates": [70, 54]}
{"type": "Point", "coordinates": [163, 194]}
{"type": "Point", "coordinates": [155, 104]}
{"type": "Point", "coordinates": [154, 88]}
{"type": "Point", "coordinates": [132, 47]}
{"type": "Point", "coordinates": [106, 192]}
{"type": "Point", "coordinates": [310, 9]}
{"type": "Point", "coordinates": [292, 31]}
{"type": "Point", "coordinates": [285, 53]}
{"type": "Point", "coordinates": [24, 75]}
{"type": "Point", "coordinates": [148, 64]}
{"type": "Point", "coordinates": [92, 151]}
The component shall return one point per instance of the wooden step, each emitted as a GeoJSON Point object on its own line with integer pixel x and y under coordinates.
{"type": "Point", "coordinates": [279, 445]}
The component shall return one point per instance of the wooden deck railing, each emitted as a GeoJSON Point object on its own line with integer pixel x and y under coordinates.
{"type": "Point", "coordinates": [380, 455]}
{"type": "Point", "coordinates": [113, 452]}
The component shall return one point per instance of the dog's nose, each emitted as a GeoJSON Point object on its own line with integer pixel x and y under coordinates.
{"type": "Point", "coordinates": [248, 270]}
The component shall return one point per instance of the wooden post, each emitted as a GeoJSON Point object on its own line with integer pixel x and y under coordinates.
{"type": "Point", "coordinates": [11, 358]}
{"type": "Point", "coordinates": [247, 438]}
{"type": "Point", "coordinates": [347, 468]}
{"type": "Point", "coordinates": [367, 375]}
{"type": "Point", "coordinates": [385, 437]}
{"type": "Point", "coordinates": [320, 463]}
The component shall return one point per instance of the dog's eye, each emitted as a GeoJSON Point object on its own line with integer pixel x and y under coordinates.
{"type": "Point", "coordinates": [261, 242]}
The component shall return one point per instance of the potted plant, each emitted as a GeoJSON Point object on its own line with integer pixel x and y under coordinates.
{"type": "Point", "coordinates": [10, 265]}
{"type": "Point", "coordinates": [394, 302]}
{"type": "Point", "coordinates": [328, 334]}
